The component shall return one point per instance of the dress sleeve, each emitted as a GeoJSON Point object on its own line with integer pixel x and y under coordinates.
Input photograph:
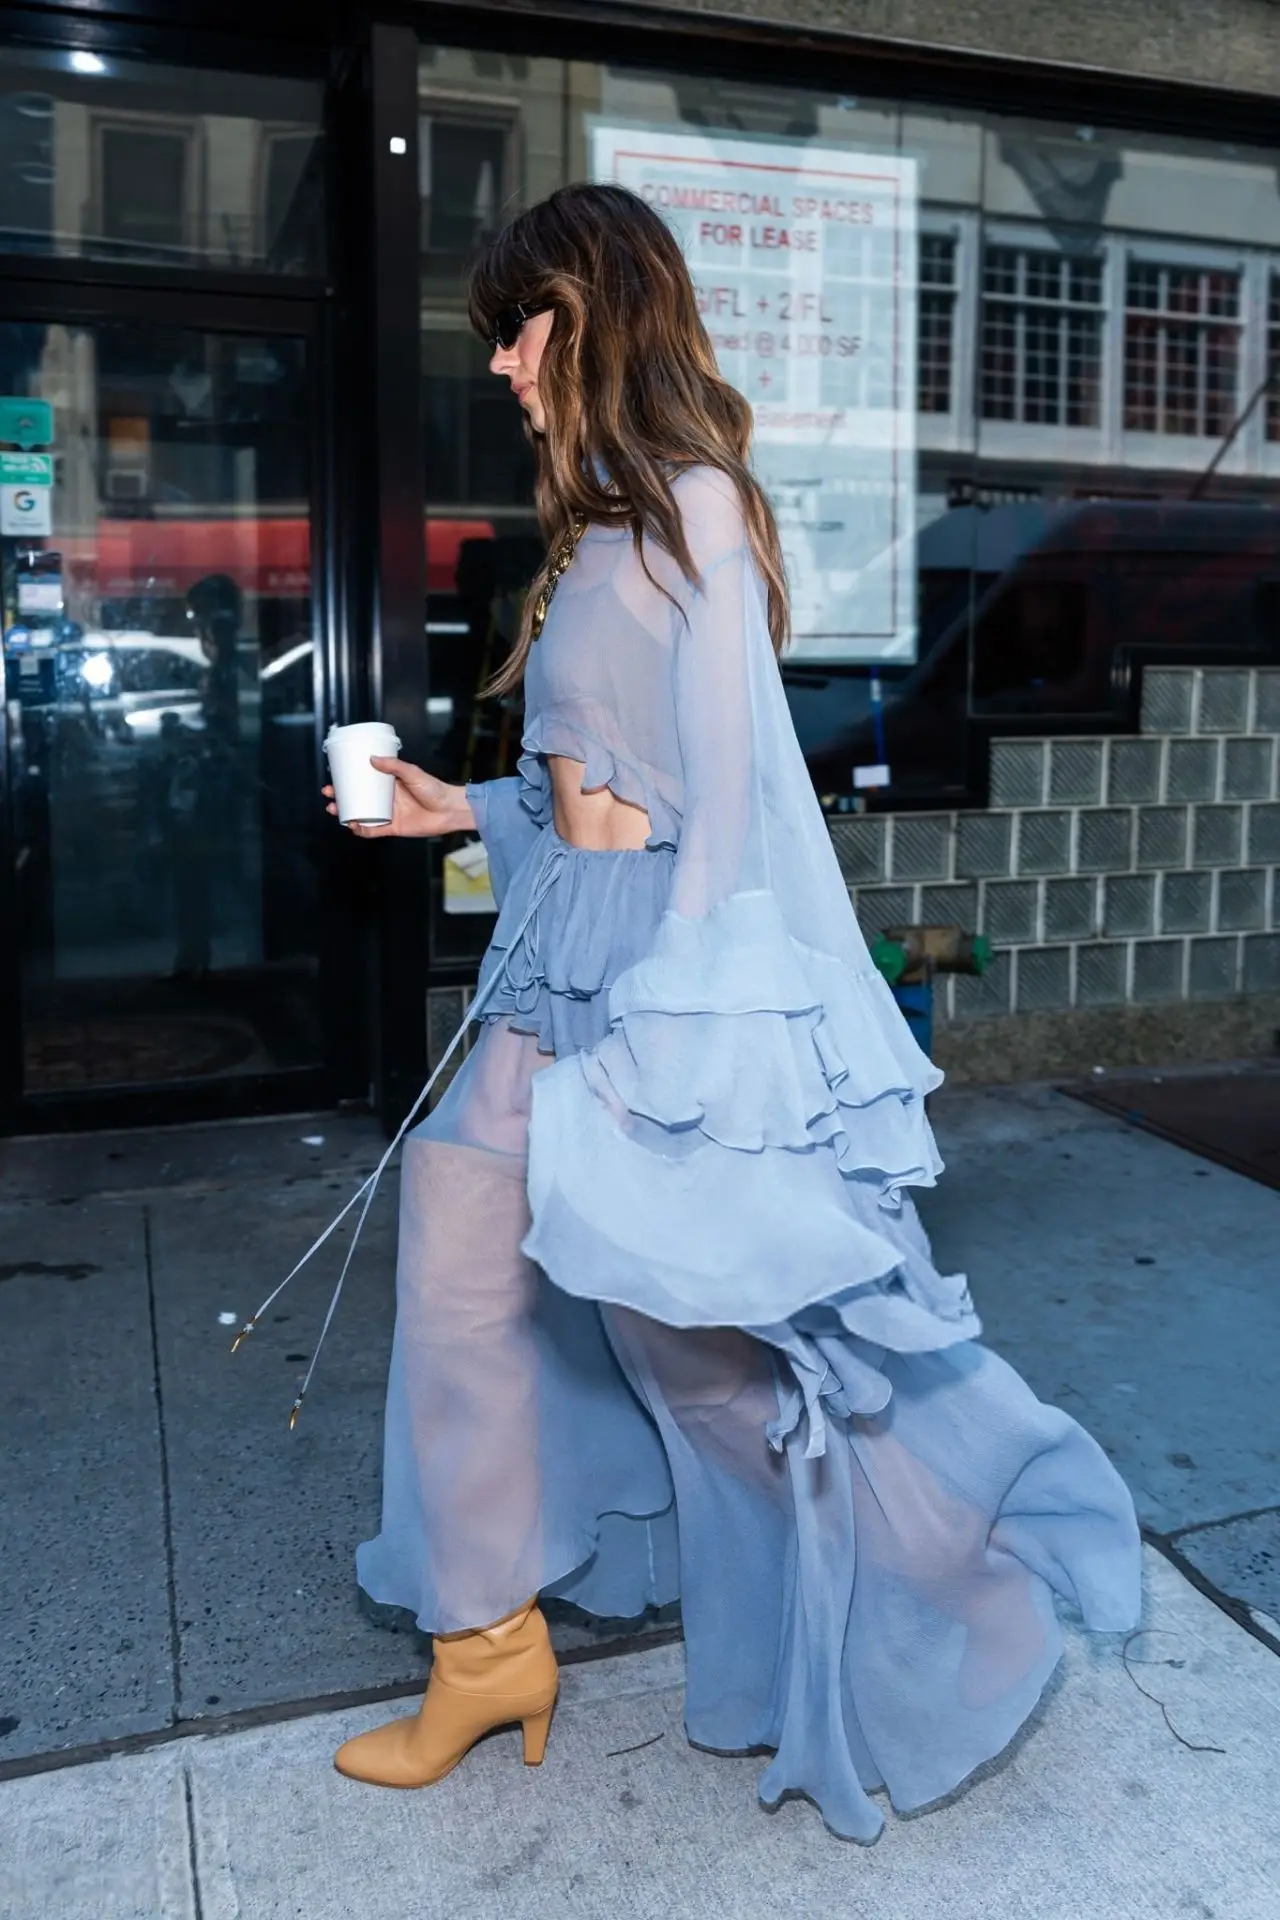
{"type": "Point", "coordinates": [720, 850]}
{"type": "Point", "coordinates": [727, 1152]}
{"type": "Point", "coordinates": [506, 824]}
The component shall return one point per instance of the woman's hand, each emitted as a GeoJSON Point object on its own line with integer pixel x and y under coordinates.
{"type": "Point", "coordinates": [423, 806]}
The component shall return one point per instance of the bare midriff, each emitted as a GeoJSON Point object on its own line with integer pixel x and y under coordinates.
{"type": "Point", "coordinates": [598, 822]}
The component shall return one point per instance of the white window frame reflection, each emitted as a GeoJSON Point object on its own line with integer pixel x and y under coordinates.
{"type": "Point", "coordinates": [952, 431]}
{"type": "Point", "coordinates": [971, 198]}
{"type": "Point", "coordinates": [1052, 322]}
{"type": "Point", "coordinates": [1042, 442]}
{"type": "Point", "coordinates": [1256, 453]}
{"type": "Point", "coordinates": [1111, 444]}
{"type": "Point", "coordinates": [1182, 355]}
{"type": "Point", "coordinates": [939, 296]}
{"type": "Point", "coordinates": [1269, 357]}
{"type": "Point", "coordinates": [1192, 452]}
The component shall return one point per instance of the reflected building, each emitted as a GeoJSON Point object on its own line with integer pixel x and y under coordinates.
{"type": "Point", "coordinates": [235, 278]}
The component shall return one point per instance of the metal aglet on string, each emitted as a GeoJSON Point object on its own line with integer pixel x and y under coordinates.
{"type": "Point", "coordinates": [369, 1187]}
{"type": "Point", "coordinates": [365, 1191]}
{"type": "Point", "coordinates": [372, 1185]}
{"type": "Point", "coordinates": [336, 1222]}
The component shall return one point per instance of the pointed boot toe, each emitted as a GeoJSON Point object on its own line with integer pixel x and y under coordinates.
{"type": "Point", "coordinates": [384, 1757]}
{"type": "Point", "coordinates": [490, 1677]}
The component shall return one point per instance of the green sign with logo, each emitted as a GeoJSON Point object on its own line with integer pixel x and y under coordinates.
{"type": "Point", "coordinates": [25, 423]}
{"type": "Point", "coordinates": [26, 469]}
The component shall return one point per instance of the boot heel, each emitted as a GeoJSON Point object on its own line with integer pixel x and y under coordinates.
{"type": "Point", "coordinates": [536, 1729]}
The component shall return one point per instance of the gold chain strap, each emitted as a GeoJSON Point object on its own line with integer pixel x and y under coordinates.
{"type": "Point", "coordinates": [560, 563]}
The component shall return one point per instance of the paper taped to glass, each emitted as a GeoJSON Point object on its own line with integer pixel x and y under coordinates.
{"type": "Point", "coordinates": [467, 888]}
{"type": "Point", "coordinates": [804, 261]}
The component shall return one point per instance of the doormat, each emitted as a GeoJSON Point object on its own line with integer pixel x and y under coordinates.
{"type": "Point", "coordinates": [122, 1050]}
{"type": "Point", "coordinates": [1231, 1116]}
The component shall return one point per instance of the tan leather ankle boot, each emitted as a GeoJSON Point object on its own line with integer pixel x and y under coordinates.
{"type": "Point", "coordinates": [481, 1679]}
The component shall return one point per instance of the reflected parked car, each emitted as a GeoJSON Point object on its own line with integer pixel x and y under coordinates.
{"type": "Point", "coordinates": [1035, 618]}
{"type": "Point", "coordinates": [127, 682]}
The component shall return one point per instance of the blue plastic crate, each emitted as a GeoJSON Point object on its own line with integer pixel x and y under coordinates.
{"type": "Point", "coordinates": [917, 1010]}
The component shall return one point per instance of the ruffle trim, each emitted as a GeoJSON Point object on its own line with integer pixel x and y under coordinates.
{"type": "Point", "coordinates": [601, 922]}
{"type": "Point", "coordinates": [732, 1026]}
{"type": "Point", "coordinates": [551, 733]}
{"type": "Point", "coordinates": [390, 1569]}
{"type": "Point", "coordinates": [740, 1141]}
{"type": "Point", "coordinates": [719, 1238]}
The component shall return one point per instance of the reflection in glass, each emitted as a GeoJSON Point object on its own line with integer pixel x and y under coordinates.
{"type": "Point", "coordinates": [937, 321]}
{"type": "Point", "coordinates": [159, 685]}
{"type": "Point", "coordinates": [126, 160]}
{"type": "Point", "coordinates": [1181, 372]}
{"type": "Point", "coordinates": [1041, 337]}
{"type": "Point", "coordinates": [463, 171]}
{"type": "Point", "coordinates": [144, 178]}
{"type": "Point", "coordinates": [1096, 315]}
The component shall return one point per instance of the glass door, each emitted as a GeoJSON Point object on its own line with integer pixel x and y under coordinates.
{"type": "Point", "coordinates": [160, 706]}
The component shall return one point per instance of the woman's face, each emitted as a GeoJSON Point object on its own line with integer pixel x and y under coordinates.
{"type": "Point", "coordinates": [519, 365]}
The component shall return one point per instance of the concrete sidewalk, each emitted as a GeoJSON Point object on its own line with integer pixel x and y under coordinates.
{"type": "Point", "coordinates": [173, 1554]}
{"type": "Point", "coordinates": [1099, 1810]}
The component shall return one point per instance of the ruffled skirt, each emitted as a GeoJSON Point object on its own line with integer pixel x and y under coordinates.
{"type": "Point", "coordinates": [865, 1515]}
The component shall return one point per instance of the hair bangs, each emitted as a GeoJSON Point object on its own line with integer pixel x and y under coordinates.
{"type": "Point", "coordinates": [629, 382]}
{"type": "Point", "coordinates": [507, 272]}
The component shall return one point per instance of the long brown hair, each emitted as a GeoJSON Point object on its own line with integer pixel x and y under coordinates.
{"type": "Point", "coordinates": [628, 379]}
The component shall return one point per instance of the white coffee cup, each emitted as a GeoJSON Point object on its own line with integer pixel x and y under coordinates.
{"type": "Point", "coordinates": [364, 795]}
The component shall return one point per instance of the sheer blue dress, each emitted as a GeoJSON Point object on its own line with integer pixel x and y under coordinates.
{"type": "Point", "coordinates": [667, 1322]}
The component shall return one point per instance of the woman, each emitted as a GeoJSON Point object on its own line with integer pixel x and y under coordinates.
{"type": "Point", "coordinates": [667, 1322]}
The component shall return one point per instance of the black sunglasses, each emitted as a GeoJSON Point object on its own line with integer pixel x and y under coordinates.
{"type": "Point", "coordinates": [505, 330]}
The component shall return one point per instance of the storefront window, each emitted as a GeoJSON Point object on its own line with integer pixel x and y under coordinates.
{"type": "Point", "coordinates": [159, 683]}
{"type": "Point", "coordinates": [1000, 368]}
{"type": "Point", "coordinates": [110, 159]}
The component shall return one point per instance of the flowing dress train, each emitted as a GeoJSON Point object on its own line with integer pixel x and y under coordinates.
{"type": "Point", "coordinates": [667, 1322]}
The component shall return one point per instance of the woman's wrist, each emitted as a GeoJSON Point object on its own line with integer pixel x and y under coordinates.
{"type": "Point", "coordinates": [461, 812]}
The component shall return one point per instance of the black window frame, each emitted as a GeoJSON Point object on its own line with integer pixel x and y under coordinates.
{"type": "Point", "coordinates": [87, 290]}
{"type": "Point", "coordinates": [372, 500]}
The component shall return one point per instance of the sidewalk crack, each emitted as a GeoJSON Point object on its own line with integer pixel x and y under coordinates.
{"type": "Point", "coordinates": [1227, 1520]}
{"type": "Point", "coordinates": [193, 1846]}
{"type": "Point", "coordinates": [1238, 1610]}
{"type": "Point", "coordinates": [166, 1489]}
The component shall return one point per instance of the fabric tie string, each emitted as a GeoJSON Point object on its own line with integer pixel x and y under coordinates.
{"type": "Point", "coordinates": [526, 930]}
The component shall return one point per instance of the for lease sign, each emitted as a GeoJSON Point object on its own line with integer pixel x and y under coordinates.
{"type": "Point", "coordinates": [804, 260]}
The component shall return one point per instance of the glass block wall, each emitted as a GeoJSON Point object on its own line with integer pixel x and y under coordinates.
{"type": "Point", "coordinates": [1106, 872]}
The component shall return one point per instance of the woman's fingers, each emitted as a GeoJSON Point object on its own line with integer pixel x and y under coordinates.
{"type": "Point", "coordinates": [419, 810]}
